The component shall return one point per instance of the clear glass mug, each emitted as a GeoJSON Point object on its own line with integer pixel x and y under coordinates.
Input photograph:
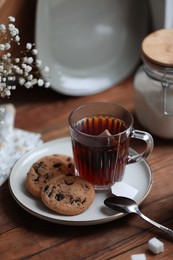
{"type": "Point", "coordinates": [100, 134]}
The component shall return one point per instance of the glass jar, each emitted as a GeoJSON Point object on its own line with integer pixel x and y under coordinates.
{"type": "Point", "coordinates": [153, 84]}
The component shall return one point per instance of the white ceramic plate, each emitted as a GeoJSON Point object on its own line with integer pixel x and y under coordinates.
{"type": "Point", "coordinates": [136, 175]}
{"type": "Point", "coordinates": [89, 45]}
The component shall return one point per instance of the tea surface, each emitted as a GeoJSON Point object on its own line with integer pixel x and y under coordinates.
{"type": "Point", "coordinates": [95, 125]}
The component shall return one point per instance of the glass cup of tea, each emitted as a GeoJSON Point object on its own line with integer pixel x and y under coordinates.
{"type": "Point", "coordinates": [100, 134]}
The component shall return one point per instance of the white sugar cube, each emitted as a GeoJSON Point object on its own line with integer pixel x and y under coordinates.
{"type": "Point", "coordinates": [155, 245]}
{"type": "Point", "coordinates": [138, 257]}
{"type": "Point", "coordinates": [123, 189]}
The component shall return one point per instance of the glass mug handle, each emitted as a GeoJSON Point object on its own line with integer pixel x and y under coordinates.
{"type": "Point", "coordinates": [148, 139]}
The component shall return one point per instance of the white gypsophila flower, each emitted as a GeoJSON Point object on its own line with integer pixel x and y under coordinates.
{"type": "Point", "coordinates": [10, 78]}
{"type": "Point", "coordinates": [4, 57]}
{"type": "Point", "coordinates": [23, 65]}
{"type": "Point", "coordinates": [34, 81]}
{"type": "Point", "coordinates": [2, 28]}
{"type": "Point", "coordinates": [1, 68]}
{"type": "Point", "coordinates": [17, 60]}
{"type": "Point", "coordinates": [17, 69]}
{"type": "Point", "coordinates": [12, 19]}
{"type": "Point", "coordinates": [40, 82]}
{"type": "Point", "coordinates": [28, 84]}
{"type": "Point", "coordinates": [38, 63]}
{"type": "Point", "coordinates": [7, 46]}
{"type": "Point", "coordinates": [10, 70]}
{"type": "Point", "coordinates": [24, 59]}
{"type": "Point", "coordinates": [2, 47]}
{"type": "Point", "coordinates": [7, 92]}
{"type": "Point", "coordinates": [25, 74]}
{"type": "Point", "coordinates": [14, 32]}
{"type": "Point", "coordinates": [30, 77]}
{"type": "Point", "coordinates": [17, 38]}
{"type": "Point", "coordinates": [21, 81]}
{"type": "Point", "coordinates": [28, 46]}
{"type": "Point", "coordinates": [34, 51]}
{"type": "Point", "coordinates": [22, 70]}
{"type": "Point", "coordinates": [28, 68]}
{"type": "Point", "coordinates": [47, 84]}
{"type": "Point", "coordinates": [30, 60]}
{"type": "Point", "coordinates": [11, 27]}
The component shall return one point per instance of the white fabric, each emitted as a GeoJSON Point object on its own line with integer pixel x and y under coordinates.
{"type": "Point", "coordinates": [19, 143]}
{"type": "Point", "coordinates": [13, 142]}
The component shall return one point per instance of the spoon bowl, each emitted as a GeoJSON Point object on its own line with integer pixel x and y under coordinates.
{"type": "Point", "coordinates": [121, 204]}
{"type": "Point", "coordinates": [127, 205]}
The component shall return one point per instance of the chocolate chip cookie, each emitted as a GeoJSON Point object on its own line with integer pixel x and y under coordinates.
{"type": "Point", "coordinates": [68, 195]}
{"type": "Point", "coordinates": [45, 169]}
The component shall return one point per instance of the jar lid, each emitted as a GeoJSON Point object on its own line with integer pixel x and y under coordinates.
{"type": "Point", "coordinates": [157, 48]}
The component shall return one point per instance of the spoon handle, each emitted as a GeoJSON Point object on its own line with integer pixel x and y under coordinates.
{"type": "Point", "coordinates": [163, 228]}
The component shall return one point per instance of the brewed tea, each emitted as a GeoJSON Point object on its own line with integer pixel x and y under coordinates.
{"type": "Point", "coordinates": [102, 160]}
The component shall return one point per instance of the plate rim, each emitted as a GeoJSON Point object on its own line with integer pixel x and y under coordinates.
{"type": "Point", "coordinates": [109, 218]}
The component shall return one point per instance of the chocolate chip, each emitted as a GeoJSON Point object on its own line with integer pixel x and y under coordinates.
{"type": "Point", "coordinates": [57, 165]}
{"type": "Point", "coordinates": [59, 196]}
{"type": "Point", "coordinates": [46, 175]}
{"type": "Point", "coordinates": [37, 179]}
{"type": "Point", "coordinates": [77, 202]}
{"type": "Point", "coordinates": [69, 165]}
{"type": "Point", "coordinates": [84, 201]}
{"type": "Point", "coordinates": [73, 201]}
{"type": "Point", "coordinates": [49, 194]}
{"type": "Point", "coordinates": [86, 187]}
{"type": "Point", "coordinates": [37, 167]}
{"type": "Point", "coordinates": [46, 188]}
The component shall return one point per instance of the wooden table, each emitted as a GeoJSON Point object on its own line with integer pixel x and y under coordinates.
{"type": "Point", "coordinates": [25, 236]}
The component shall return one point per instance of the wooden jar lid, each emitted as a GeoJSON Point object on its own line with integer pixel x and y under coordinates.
{"type": "Point", "coordinates": [157, 48]}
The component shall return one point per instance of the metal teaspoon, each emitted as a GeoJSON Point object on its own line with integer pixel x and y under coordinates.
{"type": "Point", "coordinates": [127, 205]}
